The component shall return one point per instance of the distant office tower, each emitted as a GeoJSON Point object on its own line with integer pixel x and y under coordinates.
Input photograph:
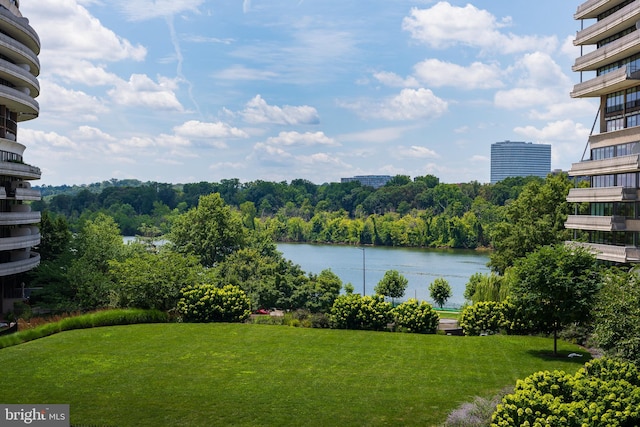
{"type": "Point", "coordinates": [19, 233]}
{"type": "Point", "coordinates": [375, 181]}
{"type": "Point", "coordinates": [511, 159]}
{"type": "Point", "coordinates": [613, 223]}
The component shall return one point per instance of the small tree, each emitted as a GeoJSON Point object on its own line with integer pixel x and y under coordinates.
{"type": "Point", "coordinates": [416, 317]}
{"type": "Point", "coordinates": [440, 291]}
{"type": "Point", "coordinates": [392, 285]}
{"type": "Point", "coordinates": [556, 286]}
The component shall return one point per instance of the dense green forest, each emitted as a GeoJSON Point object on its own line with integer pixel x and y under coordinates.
{"type": "Point", "coordinates": [422, 212]}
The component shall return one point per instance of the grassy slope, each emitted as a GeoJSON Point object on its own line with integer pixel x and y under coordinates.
{"type": "Point", "coordinates": [219, 375]}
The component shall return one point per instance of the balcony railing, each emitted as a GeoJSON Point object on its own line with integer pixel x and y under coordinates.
{"type": "Point", "coordinates": [15, 267]}
{"type": "Point", "coordinates": [612, 24]}
{"type": "Point", "coordinates": [620, 254]}
{"type": "Point", "coordinates": [19, 218]}
{"type": "Point", "coordinates": [614, 51]}
{"type": "Point", "coordinates": [603, 194]}
{"type": "Point", "coordinates": [596, 223]}
{"type": "Point", "coordinates": [620, 79]}
{"type": "Point", "coordinates": [20, 170]}
{"type": "Point", "coordinates": [622, 164]}
{"type": "Point", "coordinates": [20, 242]}
{"type": "Point", "coordinates": [593, 8]}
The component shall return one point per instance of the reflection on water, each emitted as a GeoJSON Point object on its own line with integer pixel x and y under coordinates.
{"type": "Point", "coordinates": [419, 266]}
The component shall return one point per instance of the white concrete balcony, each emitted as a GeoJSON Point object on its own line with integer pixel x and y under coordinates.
{"type": "Point", "coordinates": [614, 165]}
{"type": "Point", "coordinates": [20, 170]}
{"type": "Point", "coordinates": [614, 81]}
{"type": "Point", "coordinates": [20, 29]}
{"type": "Point", "coordinates": [620, 136]}
{"type": "Point", "coordinates": [602, 194]}
{"type": "Point", "coordinates": [19, 218]}
{"type": "Point", "coordinates": [21, 242]}
{"type": "Point", "coordinates": [596, 223]}
{"type": "Point", "coordinates": [620, 254]}
{"type": "Point", "coordinates": [19, 101]}
{"type": "Point", "coordinates": [592, 8]}
{"type": "Point", "coordinates": [27, 194]}
{"type": "Point", "coordinates": [19, 53]}
{"type": "Point", "coordinates": [612, 52]}
{"type": "Point", "coordinates": [609, 26]}
{"type": "Point", "coordinates": [16, 267]}
{"type": "Point", "coordinates": [19, 77]}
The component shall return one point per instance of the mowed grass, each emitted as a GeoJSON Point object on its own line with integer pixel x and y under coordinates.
{"type": "Point", "coordinates": [242, 375]}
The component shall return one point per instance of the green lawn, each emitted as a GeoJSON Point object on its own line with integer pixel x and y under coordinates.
{"type": "Point", "coordinates": [223, 374]}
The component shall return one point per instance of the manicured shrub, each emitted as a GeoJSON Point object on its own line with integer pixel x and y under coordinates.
{"type": "Point", "coordinates": [416, 317]}
{"type": "Point", "coordinates": [354, 311]}
{"type": "Point", "coordinates": [483, 317]}
{"type": "Point", "coordinates": [208, 303]}
{"type": "Point", "coordinates": [604, 393]}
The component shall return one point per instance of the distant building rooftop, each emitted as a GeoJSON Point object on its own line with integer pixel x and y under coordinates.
{"type": "Point", "coordinates": [375, 181]}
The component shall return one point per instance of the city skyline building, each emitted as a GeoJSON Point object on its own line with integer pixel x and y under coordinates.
{"type": "Point", "coordinates": [375, 181]}
{"type": "Point", "coordinates": [19, 232]}
{"type": "Point", "coordinates": [610, 73]}
{"type": "Point", "coordinates": [514, 158]}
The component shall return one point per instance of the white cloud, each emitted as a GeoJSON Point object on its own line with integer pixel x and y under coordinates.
{"type": "Point", "coordinates": [141, 10]}
{"type": "Point", "coordinates": [434, 72]}
{"type": "Point", "coordinates": [200, 130]}
{"type": "Point", "coordinates": [240, 72]}
{"type": "Point", "coordinates": [410, 104]}
{"type": "Point", "coordinates": [258, 111]}
{"type": "Point", "coordinates": [72, 105]}
{"type": "Point", "coordinates": [394, 80]}
{"type": "Point", "coordinates": [525, 97]}
{"type": "Point", "coordinates": [306, 139]}
{"type": "Point", "coordinates": [445, 25]}
{"type": "Point", "coordinates": [68, 30]}
{"type": "Point", "coordinates": [414, 152]}
{"type": "Point", "coordinates": [141, 91]}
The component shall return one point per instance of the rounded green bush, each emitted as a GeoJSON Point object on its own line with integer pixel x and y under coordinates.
{"type": "Point", "coordinates": [604, 393]}
{"type": "Point", "coordinates": [354, 311]}
{"type": "Point", "coordinates": [416, 317]}
{"type": "Point", "coordinates": [483, 317]}
{"type": "Point", "coordinates": [208, 303]}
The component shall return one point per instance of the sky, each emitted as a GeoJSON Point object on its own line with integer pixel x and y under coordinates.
{"type": "Point", "coordinates": [275, 90]}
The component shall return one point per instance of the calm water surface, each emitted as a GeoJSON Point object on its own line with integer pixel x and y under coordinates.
{"type": "Point", "coordinates": [419, 266]}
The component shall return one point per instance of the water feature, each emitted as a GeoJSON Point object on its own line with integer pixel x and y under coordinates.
{"type": "Point", "coordinates": [419, 266]}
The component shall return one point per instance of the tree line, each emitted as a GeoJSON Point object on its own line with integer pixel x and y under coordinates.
{"type": "Point", "coordinates": [422, 212]}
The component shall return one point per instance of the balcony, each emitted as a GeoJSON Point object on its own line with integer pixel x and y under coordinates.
{"type": "Point", "coordinates": [612, 52]}
{"type": "Point", "coordinates": [20, 242]}
{"type": "Point", "coordinates": [19, 170]}
{"type": "Point", "coordinates": [19, 77]}
{"type": "Point", "coordinates": [619, 254]}
{"type": "Point", "coordinates": [27, 194]}
{"type": "Point", "coordinates": [592, 8]}
{"type": "Point", "coordinates": [621, 79]}
{"type": "Point", "coordinates": [18, 53]}
{"type": "Point", "coordinates": [19, 218]}
{"type": "Point", "coordinates": [21, 30]}
{"type": "Point", "coordinates": [620, 136]}
{"type": "Point", "coordinates": [623, 164]}
{"type": "Point", "coordinates": [596, 223]}
{"type": "Point", "coordinates": [18, 101]}
{"type": "Point", "coordinates": [21, 266]}
{"type": "Point", "coordinates": [609, 26]}
{"type": "Point", "coordinates": [605, 194]}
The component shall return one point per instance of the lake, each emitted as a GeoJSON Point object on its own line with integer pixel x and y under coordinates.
{"type": "Point", "coordinates": [419, 266]}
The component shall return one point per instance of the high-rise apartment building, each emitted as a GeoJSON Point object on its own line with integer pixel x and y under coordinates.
{"type": "Point", "coordinates": [375, 181]}
{"type": "Point", "coordinates": [19, 233]}
{"type": "Point", "coordinates": [511, 158]}
{"type": "Point", "coordinates": [610, 72]}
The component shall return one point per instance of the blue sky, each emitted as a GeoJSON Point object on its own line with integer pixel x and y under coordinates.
{"type": "Point", "coordinates": [204, 90]}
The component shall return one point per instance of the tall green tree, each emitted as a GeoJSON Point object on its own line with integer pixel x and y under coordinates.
{"type": "Point", "coordinates": [392, 285]}
{"type": "Point", "coordinates": [556, 286]}
{"type": "Point", "coordinates": [212, 231]}
{"type": "Point", "coordinates": [440, 291]}
{"type": "Point", "coordinates": [535, 219]}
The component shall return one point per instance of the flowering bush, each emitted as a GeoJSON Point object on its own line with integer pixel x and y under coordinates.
{"type": "Point", "coordinates": [353, 311]}
{"type": "Point", "coordinates": [416, 317]}
{"type": "Point", "coordinates": [603, 393]}
{"type": "Point", "coordinates": [208, 303]}
{"type": "Point", "coordinates": [483, 317]}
